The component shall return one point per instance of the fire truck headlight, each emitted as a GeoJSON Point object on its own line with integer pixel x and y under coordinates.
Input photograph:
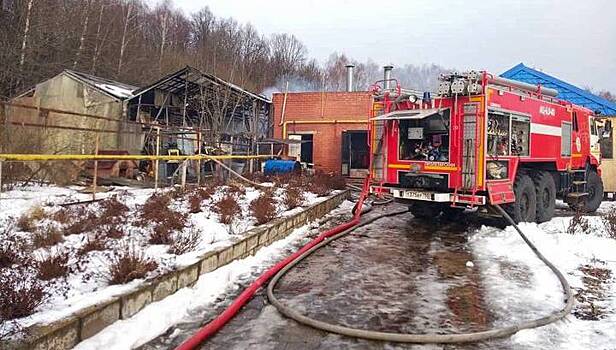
{"type": "Point", "coordinates": [497, 170]}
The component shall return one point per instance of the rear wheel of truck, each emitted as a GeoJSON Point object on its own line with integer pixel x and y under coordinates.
{"type": "Point", "coordinates": [594, 187]}
{"type": "Point", "coordinates": [545, 189]}
{"type": "Point", "coordinates": [524, 209]}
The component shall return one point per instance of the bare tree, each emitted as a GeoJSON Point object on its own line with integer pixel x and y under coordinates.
{"type": "Point", "coordinates": [84, 31]}
{"type": "Point", "coordinates": [127, 19]}
{"type": "Point", "coordinates": [24, 42]}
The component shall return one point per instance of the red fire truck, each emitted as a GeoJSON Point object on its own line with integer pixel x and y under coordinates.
{"type": "Point", "coordinates": [483, 140]}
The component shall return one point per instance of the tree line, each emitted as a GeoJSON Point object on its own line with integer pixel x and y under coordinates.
{"type": "Point", "coordinates": [133, 43]}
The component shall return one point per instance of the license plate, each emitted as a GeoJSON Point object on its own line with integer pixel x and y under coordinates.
{"type": "Point", "coordinates": [418, 195]}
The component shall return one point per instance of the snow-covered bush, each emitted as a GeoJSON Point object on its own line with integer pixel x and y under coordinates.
{"type": "Point", "coordinates": [127, 263]}
{"type": "Point", "coordinates": [293, 196]}
{"type": "Point", "coordinates": [263, 208]}
{"type": "Point", "coordinates": [27, 221]}
{"type": "Point", "coordinates": [21, 292]}
{"type": "Point", "coordinates": [184, 242]}
{"type": "Point", "coordinates": [578, 224]}
{"type": "Point", "coordinates": [46, 236]}
{"type": "Point", "coordinates": [227, 208]}
{"type": "Point", "coordinates": [53, 264]}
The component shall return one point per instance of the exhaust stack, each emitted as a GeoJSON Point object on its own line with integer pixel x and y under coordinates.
{"type": "Point", "coordinates": [387, 76]}
{"type": "Point", "coordinates": [349, 78]}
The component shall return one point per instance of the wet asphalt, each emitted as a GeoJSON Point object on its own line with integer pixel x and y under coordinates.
{"type": "Point", "coordinates": [397, 274]}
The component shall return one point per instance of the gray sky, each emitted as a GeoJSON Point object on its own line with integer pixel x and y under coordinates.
{"type": "Point", "coordinates": [574, 40]}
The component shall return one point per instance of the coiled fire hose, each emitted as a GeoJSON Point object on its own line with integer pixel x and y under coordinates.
{"type": "Point", "coordinates": [419, 338]}
{"type": "Point", "coordinates": [280, 269]}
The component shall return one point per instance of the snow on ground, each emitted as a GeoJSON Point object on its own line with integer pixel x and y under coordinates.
{"type": "Point", "coordinates": [180, 307]}
{"type": "Point", "coordinates": [520, 287]}
{"type": "Point", "coordinates": [86, 283]}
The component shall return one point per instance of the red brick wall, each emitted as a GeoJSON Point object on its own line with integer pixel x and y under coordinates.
{"type": "Point", "coordinates": [323, 107]}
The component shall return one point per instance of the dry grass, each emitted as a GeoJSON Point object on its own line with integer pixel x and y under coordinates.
{"type": "Point", "coordinates": [185, 242]}
{"type": "Point", "coordinates": [293, 197]}
{"type": "Point", "coordinates": [53, 265]}
{"type": "Point", "coordinates": [578, 224]}
{"type": "Point", "coordinates": [128, 263]}
{"type": "Point", "coordinates": [27, 221]}
{"type": "Point", "coordinates": [84, 223]}
{"type": "Point", "coordinates": [227, 208]}
{"type": "Point", "coordinates": [46, 236]}
{"type": "Point", "coordinates": [95, 242]}
{"type": "Point", "coordinates": [62, 216]}
{"type": "Point", "coordinates": [609, 221]}
{"type": "Point", "coordinates": [263, 208]}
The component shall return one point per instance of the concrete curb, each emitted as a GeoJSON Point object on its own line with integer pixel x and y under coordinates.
{"type": "Point", "coordinates": [83, 324]}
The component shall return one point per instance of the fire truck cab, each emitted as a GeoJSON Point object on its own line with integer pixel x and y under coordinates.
{"type": "Point", "coordinates": [483, 140]}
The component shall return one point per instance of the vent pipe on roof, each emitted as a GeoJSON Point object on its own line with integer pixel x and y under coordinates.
{"type": "Point", "coordinates": [349, 77]}
{"type": "Point", "coordinates": [387, 76]}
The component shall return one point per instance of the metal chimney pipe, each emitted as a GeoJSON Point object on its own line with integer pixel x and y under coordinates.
{"type": "Point", "coordinates": [349, 77]}
{"type": "Point", "coordinates": [387, 76]}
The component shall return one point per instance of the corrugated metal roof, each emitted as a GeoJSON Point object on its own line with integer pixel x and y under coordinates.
{"type": "Point", "coordinates": [566, 91]}
{"type": "Point", "coordinates": [114, 88]}
{"type": "Point", "coordinates": [192, 79]}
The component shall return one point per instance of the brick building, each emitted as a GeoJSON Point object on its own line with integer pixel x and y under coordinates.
{"type": "Point", "coordinates": [331, 125]}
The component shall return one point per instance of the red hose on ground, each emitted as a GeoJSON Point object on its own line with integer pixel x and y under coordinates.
{"type": "Point", "coordinates": [216, 324]}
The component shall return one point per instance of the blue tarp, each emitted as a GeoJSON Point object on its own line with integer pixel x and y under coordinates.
{"type": "Point", "coordinates": [566, 91]}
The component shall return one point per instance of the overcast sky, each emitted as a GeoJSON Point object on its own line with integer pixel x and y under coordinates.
{"type": "Point", "coordinates": [574, 40]}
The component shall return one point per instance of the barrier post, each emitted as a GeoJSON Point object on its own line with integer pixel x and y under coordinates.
{"type": "Point", "coordinates": [1, 161]}
{"type": "Point", "coordinates": [156, 161]}
{"type": "Point", "coordinates": [94, 179]}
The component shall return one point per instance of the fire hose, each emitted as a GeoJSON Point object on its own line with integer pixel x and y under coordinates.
{"type": "Point", "coordinates": [276, 272]}
{"type": "Point", "coordinates": [216, 324]}
{"type": "Point", "coordinates": [419, 338]}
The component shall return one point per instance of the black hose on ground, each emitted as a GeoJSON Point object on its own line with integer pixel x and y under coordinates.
{"type": "Point", "coordinates": [419, 338]}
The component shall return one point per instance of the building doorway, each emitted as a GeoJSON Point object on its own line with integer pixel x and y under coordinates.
{"type": "Point", "coordinates": [302, 151]}
{"type": "Point", "coordinates": [355, 153]}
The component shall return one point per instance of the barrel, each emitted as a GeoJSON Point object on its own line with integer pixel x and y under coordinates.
{"type": "Point", "coordinates": [278, 166]}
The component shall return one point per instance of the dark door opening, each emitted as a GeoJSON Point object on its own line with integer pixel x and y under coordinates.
{"type": "Point", "coordinates": [306, 150]}
{"type": "Point", "coordinates": [355, 154]}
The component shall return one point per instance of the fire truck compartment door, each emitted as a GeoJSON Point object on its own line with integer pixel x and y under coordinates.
{"type": "Point", "coordinates": [409, 114]}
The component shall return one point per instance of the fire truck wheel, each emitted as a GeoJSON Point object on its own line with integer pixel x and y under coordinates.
{"type": "Point", "coordinates": [594, 186]}
{"type": "Point", "coordinates": [425, 210]}
{"type": "Point", "coordinates": [546, 196]}
{"type": "Point", "coordinates": [524, 209]}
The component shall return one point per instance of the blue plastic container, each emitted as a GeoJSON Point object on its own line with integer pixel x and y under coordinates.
{"type": "Point", "coordinates": [277, 167]}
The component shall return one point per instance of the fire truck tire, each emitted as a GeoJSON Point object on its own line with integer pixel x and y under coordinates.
{"type": "Point", "coordinates": [546, 196]}
{"type": "Point", "coordinates": [524, 209]}
{"type": "Point", "coordinates": [594, 186]}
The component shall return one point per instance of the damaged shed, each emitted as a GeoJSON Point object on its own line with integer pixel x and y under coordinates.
{"type": "Point", "coordinates": [202, 109]}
